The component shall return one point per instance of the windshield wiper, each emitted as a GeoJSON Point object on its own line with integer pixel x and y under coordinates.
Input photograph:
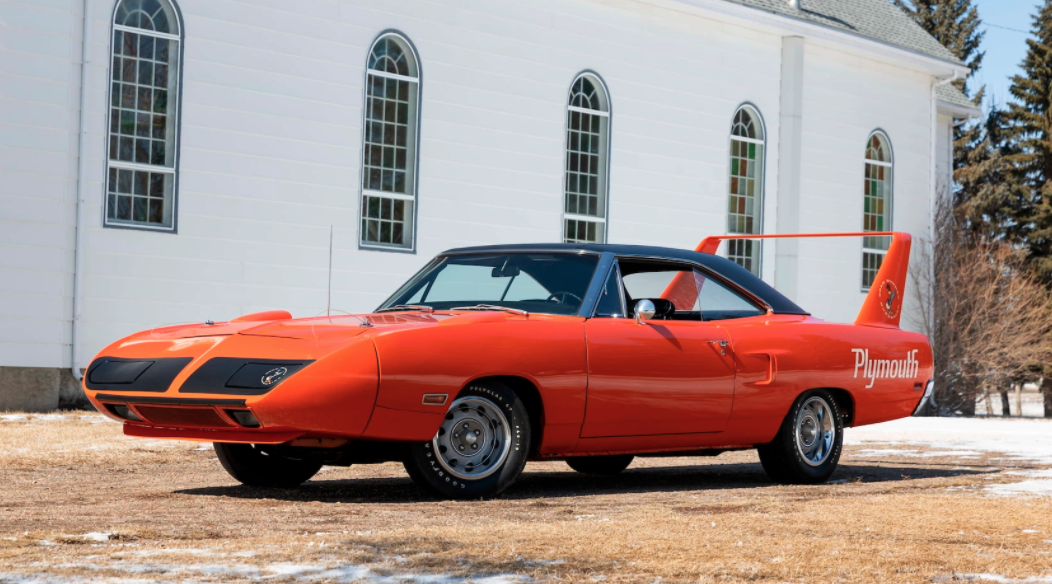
{"type": "Point", "coordinates": [492, 307]}
{"type": "Point", "coordinates": [401, 307]}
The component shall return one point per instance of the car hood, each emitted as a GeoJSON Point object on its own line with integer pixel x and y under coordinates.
{"type": "Point", "coordinates": [330, 327]}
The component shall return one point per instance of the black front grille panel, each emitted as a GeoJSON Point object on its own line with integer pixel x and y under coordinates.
{"type": "Point", "coordinates": [117, 374]}
{"type": "Point", "coordinates": [235, 376]}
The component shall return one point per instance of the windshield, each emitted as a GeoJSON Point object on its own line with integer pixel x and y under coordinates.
{"type": "Point", "coordinates": [552, 283]}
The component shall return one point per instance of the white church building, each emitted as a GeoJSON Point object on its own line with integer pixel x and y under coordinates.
{"type": "Point", "coordinates": [167, 161]}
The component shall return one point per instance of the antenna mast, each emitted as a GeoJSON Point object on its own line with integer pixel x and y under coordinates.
{"type": "Point", "coordinates": [328, 301]}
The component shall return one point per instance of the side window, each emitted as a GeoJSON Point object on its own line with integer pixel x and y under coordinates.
{"type": "Point", "coordinates": [717, 302]}
{"type": "Point", "coordinates": [610, 304]}
{"type": "Point", "coordinates": [672, 289]}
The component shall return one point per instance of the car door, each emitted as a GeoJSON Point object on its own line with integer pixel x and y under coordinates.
{"type": "Point", "coordinates": [673, 374]}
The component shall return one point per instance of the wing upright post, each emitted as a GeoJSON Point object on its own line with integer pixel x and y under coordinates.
{"type": "Point", "coordinates": [883, 304]}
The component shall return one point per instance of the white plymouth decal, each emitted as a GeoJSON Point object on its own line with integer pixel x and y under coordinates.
{"type": "Point", "coordinates": [885, 368]}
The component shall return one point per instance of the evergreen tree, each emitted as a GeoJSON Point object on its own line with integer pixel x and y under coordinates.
{"type": "Point", "coordinates": [990, 194]}
{"type": "Point", "coordinates": [1030, 128]}
{"type": "Point", "coordinates": [955, 24]}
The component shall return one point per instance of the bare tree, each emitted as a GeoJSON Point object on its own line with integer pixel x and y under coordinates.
{"type": "Point", "coordinates": [988, 319]}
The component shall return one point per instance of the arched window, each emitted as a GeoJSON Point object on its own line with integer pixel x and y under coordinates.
{"type": "Point", "coordinates": [746, 188]}
{"type": "Point", "coordinates": [587, 148]}
{"type": "Point", "coordinates": [144, 107]}
{"type": "Point", "coordinates": [876, 210]}
{"type": "Point", "coordinates": [392, 89]}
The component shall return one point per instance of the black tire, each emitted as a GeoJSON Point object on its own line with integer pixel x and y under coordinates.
{"type": "Point", "coordinates": [600, 465]}
{"type": "Point", "coordinates": [497, 418]}
{"type": "Point", "coordinates": [788, 459]}
{"type": "Point", "coordinates": [256, 466]}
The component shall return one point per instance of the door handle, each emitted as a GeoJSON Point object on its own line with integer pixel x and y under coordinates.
{"type": "Point", "coordinates": [721, 344]}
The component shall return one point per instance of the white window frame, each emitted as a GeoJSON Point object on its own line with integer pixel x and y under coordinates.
{"type": "Point", "coordinates": [413, 167]}
{"type": "Point", "coordinates": [889, 203]}
{"type": "Point", "coordinates": [760, 195]}
{"type": "Point", "coordinates": [176, 126]}
{"type": "Point", "coordinates": [604, 176]}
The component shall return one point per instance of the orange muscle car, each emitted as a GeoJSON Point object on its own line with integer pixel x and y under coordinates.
{"type": "Point", "coordinates": [492, 356]}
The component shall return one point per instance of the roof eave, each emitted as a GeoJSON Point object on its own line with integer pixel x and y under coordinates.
{"type": "Point", "coordinates": [958, 111]}
{"type": "Point", "coordinates": [799, 27]}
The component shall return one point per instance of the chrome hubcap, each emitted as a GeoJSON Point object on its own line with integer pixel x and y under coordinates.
{"type": "Point", "coordinates": [474, 439]}
{"type": "Point", "coordinates": [815, 432]}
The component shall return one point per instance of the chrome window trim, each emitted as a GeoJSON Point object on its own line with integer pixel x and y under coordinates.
{"type": "Point", "coordinates": [590, 304]}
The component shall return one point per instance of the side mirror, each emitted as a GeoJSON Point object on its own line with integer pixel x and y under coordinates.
{"type": "Point", "coordinates": [644, 311]}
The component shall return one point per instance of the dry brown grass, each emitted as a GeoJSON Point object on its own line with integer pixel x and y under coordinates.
{"type": "Point", "coordinates": [76, 438]}
{"type": "Point", "coordinates": [893, 519]}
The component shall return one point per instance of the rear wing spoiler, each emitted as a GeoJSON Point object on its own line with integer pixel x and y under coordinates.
{"type": "Point", "coordinates": [883, 304]}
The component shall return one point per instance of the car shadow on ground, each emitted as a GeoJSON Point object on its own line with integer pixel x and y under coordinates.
{"type": "Point", "coordinates": [555, 485]}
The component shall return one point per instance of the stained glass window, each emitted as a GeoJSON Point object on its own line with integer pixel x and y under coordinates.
{"type": "Point", "coordinates": [587, 128]}
{"type": "Point", "coordinates": [876, 205]}
{"type": "Point", "coordinates": [745, 199]}
{"type": "Point", "coordinates": [143, 129]}
{"type": "Point", "coordinates": [389, 145]}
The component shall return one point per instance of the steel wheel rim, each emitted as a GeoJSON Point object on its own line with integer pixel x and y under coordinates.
{"type": "Point", "coordinates": [474, 440]}
{"type": "Point", "coordinates": [815, 431]}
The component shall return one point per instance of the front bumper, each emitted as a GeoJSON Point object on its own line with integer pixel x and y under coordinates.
{"type": "Point", "coordinates": [329, 390]}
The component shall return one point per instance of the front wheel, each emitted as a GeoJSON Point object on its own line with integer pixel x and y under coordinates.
{"type": "Point", "coordinates": [807, 447]}
{"type": "Point", "coordinates": [479, 450]}
{"type": "Point", "coordinates": [257, 466]}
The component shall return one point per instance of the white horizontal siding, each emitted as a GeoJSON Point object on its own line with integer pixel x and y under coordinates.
{"type": "Point", "coordinates": [271, 146]}
{"type": "Point", "coordinates": [38, 82]}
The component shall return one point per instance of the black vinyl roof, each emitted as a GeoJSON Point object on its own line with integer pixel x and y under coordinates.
{"type": "Point", "coordinates": [722, 266]}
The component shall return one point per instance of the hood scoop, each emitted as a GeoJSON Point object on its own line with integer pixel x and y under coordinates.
{"type": "Point", "coordinates": [310, 328]}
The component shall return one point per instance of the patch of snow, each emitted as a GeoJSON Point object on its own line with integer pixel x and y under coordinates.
{"type": "Point", "coordinates": [12, 417]}
{"type": "Point", "coordinates": [96, 536]}
{"type": "Point", "coordinates": [283, 571]}
{"type": "Point", "coordinates": [1028, 440]}
{"type": "Point", "coordinates": [205, 446]}
{"type": "Point", "coordinates": [51, 417]}
{"type": "Point", "coordinates": [1040, 484]}
{"type": "Point", "coordinates": [908, 453]}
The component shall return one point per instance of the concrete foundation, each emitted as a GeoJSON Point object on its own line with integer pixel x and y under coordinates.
{"type": "Point", "coordinates": [39, 389]}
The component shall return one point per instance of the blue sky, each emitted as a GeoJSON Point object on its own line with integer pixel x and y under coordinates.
{"type": "Point", "coordinates": [1004, 48]}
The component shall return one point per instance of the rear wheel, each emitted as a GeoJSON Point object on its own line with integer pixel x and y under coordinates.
{"type": "Point", "coordinates": [480, 449]}
{"type": "Point", "coordinates": [807, 447]}
{"type": "Point", "coordinates": [600, 465]}
{"type": "Point", "coordinates": [257, 466]}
